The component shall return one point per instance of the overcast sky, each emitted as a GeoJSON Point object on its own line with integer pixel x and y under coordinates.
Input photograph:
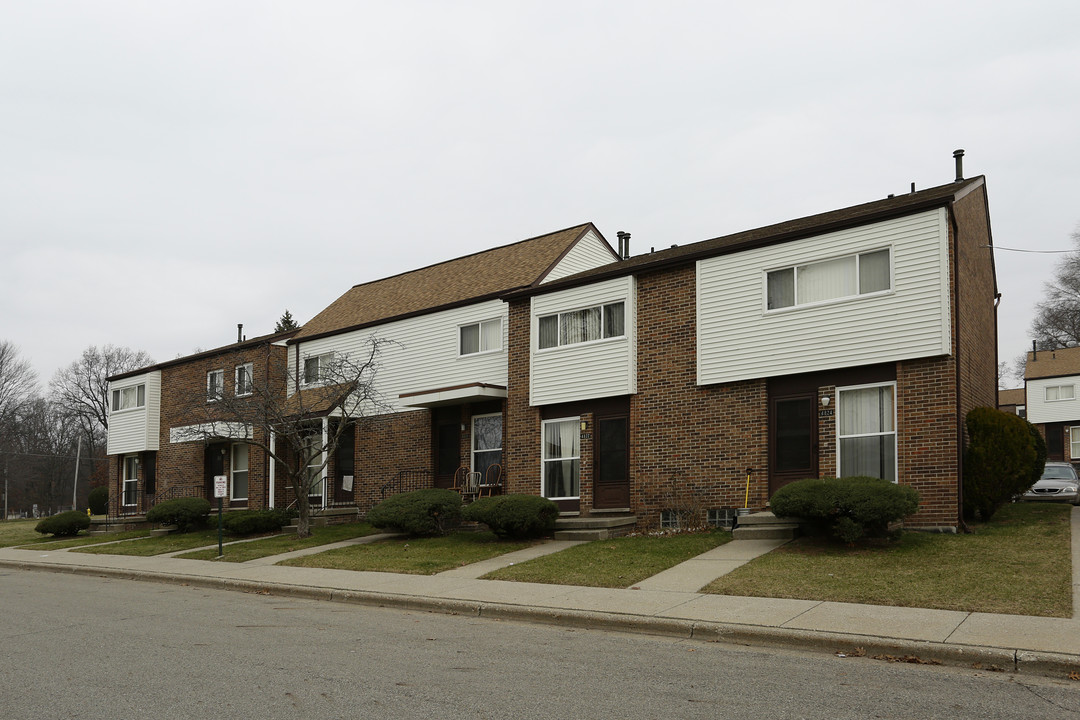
{"type": "Point", "coordinates": [170, 169]}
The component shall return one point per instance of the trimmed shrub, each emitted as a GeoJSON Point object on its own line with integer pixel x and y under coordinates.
{"type": "Point", "coordinates": [421, 512]}
{"type": "Point", "coordinates": [184, 513]}
{"type": "Point", "coordinates": [250, 522]}
{"type": "Point", "coordinates": [847, 508]}
{"type": "Point", "coordinates": [1002, 459]}
{"type": "Point", "coordinates": [514, 516]}
{"type": "Point", "coordinates": [1040, 453]}
{"type": "Point", "coordinates": [66, 523]}
{"type": "Point", "coordinates": [98, 500]}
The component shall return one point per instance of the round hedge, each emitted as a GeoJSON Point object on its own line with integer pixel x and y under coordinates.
{"type": "Point", "coordinates": [64, 524]}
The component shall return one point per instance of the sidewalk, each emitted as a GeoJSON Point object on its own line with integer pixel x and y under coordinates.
{"type": "Point", "coordinates": [665, 604]}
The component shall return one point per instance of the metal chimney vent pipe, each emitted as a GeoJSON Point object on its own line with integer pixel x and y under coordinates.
{"type": "Point", "coordinates": [624, 244]}
{"type": "Point", "coordinates": [959, 156]}
{"type": "Point", "coordinates": [239, 332]}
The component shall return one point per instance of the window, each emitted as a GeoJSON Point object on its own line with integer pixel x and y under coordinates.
{"type": "Point", "coordinates": [131, 480]}
{"type": "Point", "coordinates": [849, 276]}
{"type": "Point", "coordinates": [866, 431]}
{"type": "Point", "coordinates": [243, 379]}
{"type": "Point", "coordinates": [578, 326]}
{"type": "Point", "coordinates": [1059, 392]}
{"type": "Point", "coordinates": [720, 517]}
{"type": "Point", "coordinates": [669, 520]}
{"type": "Point", "coordinates": [313, 454]}
{"type": "Point", "coordinates": [480, 337]}
{"type": "Point", "coordinates": [215, 384]}
{"type": "Point", "coordinates": [486, 442]}
{"type": "Point", "coordinates": [561, 457]}
{"type": "Point", "coordinates": [1021, 410]}
{"type": "Point", "coordinates": [129, 397]}
{"type": "Point", "coordinates": [316, 368]}
{"type": "Point", "coordinates": [240, 454]}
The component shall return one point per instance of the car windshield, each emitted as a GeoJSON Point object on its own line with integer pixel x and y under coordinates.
{"type": "Point", "coordinates": [1058, 473]}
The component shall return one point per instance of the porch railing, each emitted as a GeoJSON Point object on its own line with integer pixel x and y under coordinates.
{"type": "Point", "coordinates": [406, 481]}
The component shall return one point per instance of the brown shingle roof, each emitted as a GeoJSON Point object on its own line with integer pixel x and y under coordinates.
{"type": "Point", "coordinates": [1014, 396]}
{"type": "Point", "coordinates": [770, 234]}
{"type": "Point", "coordinates": [470, 278]}
{"type": "Point", "coordinates": [316, 401]}
{"type": "Point", "coordinates": [1053, 363]}
{"type": "Point", "coordinates": [223, 350]}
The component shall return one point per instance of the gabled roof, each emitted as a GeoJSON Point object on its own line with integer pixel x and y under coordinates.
{"type": "Point", "coordinates": [223, 350]}
{"type": "Point", "coordinates": [853, 216]}
{"type": "Point", "coordinates": [1014, 396]}
{"type": "Point", "coordinates": [460, 281]}
{"type": "Point", "coordinates": [1052, 363]}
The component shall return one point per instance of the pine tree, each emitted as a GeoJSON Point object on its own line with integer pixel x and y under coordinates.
{"type": "Point", "coordinates": [286, 323]}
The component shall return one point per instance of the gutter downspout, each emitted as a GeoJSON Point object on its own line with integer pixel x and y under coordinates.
{"type": "Point", "coordinates": [961, 525]}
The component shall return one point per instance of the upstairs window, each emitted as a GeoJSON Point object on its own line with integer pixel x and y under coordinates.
{"type": "Point", "coordinates": [129, 397]}
{"type": "Point", "coordinates": [1060, 392]}
{"type": "Point", "coordinates": [215, 384]}
{"type": "Point", "coordinates": [316, 368]}
{"type": "Point", "coordinates": [861, 274]}
{"type": "Point", "coordinates": [578, 326]}
{"type": "Point", "coordinates": [243, 379]}
{"type": "Point", "coordinates": [480, 337]}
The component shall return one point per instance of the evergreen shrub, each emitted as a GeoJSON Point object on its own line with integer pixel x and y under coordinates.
{"type": "Point", "coordinates": [64, 524]}
{"type": "Point", "coordinates": [185, 513]}
{"type": "Point", "coordinates": [250, 522]}
{"type": "Point", "coordinates": [421, 512]}
{"type": "Point", "coordinates": [847, 508]}
{"type": "Point", "coordinates": [514, 516]}
{"type": "Point", "coordinates": [98, 500]}
{"type": "Point", "coordinates": [1004, 457]}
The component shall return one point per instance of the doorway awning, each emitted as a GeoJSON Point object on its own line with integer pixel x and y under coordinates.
{"type": "Point", "coordinates": [453, 395]}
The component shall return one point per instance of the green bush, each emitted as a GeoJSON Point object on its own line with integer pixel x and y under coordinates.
{"type": "Point", "coordinates": [1002, 459]}
{"type": "Point", "coordinates": [250, 522]}
{"type": "Point", "coordinates": [514, 516]}
{"type": "Point", "coordinates": [66, 523]}
{"type": "Point", "coordinates": [421, 512]}
{"type": "Point", "coordinates": [184, 513]}
{"type": "Point", "coordinates": [847, 508]}
{"type": "Point", "coordinates": [98, 500]}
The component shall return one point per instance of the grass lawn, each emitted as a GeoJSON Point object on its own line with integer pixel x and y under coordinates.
{"type": "Point", "coordinates": [156, 545]}
{"type": "Point", "coordinates": [414, 556]}
{"type": "Point", "coordinates": [243, 551]}
{"type": "Point", "coordinates": [48, 542]}
{"type": "Point", "coordinates": [1018, 563]}
{"type": "Point", "coordinates": [615, 563]}
{"type": "Point", "coordinates": [18, 532]}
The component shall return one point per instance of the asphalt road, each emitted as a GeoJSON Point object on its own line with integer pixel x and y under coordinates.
{"type": "Point", "coordinates": [82, 647]}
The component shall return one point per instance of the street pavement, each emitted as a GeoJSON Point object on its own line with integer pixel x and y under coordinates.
{"type": "Point", "coordinates": [665, 604]}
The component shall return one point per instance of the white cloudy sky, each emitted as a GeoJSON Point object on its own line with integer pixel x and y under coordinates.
{"type": "Point", "coordinates": [170, 169]}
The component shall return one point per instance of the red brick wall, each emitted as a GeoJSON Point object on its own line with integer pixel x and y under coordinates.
{"type": "Point", "coordinates": [521, 431]}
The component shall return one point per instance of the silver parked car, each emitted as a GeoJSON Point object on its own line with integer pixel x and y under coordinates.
{"type": "Point", "coordinates": [1058, 482]}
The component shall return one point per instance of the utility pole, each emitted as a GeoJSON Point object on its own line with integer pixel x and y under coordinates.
{"type": "Point", "coordinates": [75, 485]}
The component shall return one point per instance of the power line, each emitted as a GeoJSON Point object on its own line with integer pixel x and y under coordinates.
{"type": "Point", "coordinates": [1043, 252]}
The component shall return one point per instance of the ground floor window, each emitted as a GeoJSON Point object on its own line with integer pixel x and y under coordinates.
{"type": "Point", "coordinates": [669, 520]}
{"type": "Point", "coordinates": [240, 454]}
{"type": "Point", "coordinates": [313, 456]}
{"type": "Point", "coordinates": [487, 436]}
{"type": "Point", "coordinates": [561, 458]}
{"type": "Point", "coordinates": [866, 431]}
{"type": "Point", "coordinates": [131, 479]}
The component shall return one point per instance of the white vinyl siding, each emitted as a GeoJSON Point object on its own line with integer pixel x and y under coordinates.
{"type": "Point", "coordinates": [1048, 402]}
{"type": "Point", "coordinates": [601, 368]}
{"type": "Point", "coordinates": [739, 339]}
{"type": "Point", "coordinates": [589, 252]}
{"type": "Point", "coordinates": [136, 430]}
{"type": "Point", "coordinates": [424, 353]}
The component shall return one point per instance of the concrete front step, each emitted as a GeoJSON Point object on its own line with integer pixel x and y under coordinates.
{"type": "Point", "coordinates": [593, 527]}
{"type": "Point", "coordinates": [765, 526]}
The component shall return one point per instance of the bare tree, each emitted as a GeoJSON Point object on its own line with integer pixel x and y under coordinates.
{"type": "Point", "coordinates": [296, 415]}
{"type": "Point", "coordinates": [18, 382]}
{"type": "Point", "coordinates": [1057, 315]}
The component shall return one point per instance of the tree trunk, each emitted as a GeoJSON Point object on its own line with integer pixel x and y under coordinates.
{"type": "Point", "coordinates": [303, 508]}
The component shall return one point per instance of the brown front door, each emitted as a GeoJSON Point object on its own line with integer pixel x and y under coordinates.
{"type": "Point", "coordinates": [611, 463]}
{"type": "Point", "coordinates": [345, 466]}
{"type": "Point", "coordinates": [446, 436]}
{"type": "Point", "coordinates": [793, 442]}
{"type": "Point", "coordinates": [1055, 442]}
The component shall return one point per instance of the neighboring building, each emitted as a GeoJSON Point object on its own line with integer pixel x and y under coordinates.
{"type": "Point", "coordinates": [1052, 393]}
{"type": "Point", "coordinates": [690, 379]}
{"type": "Point", "coordinates": [1013, 401]}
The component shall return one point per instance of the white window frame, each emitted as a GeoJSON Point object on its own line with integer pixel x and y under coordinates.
{"type": "Point", "coordinates": [121, 395]}
{"type": "Point", "coordinates": [130, 497]}
{"type": "Point", "coordinates": [603, 307]}
{"type": "Point", "coordinates": [1058, 388]}
{"type": "Point", "coordinates": [544, 460]}
{"type": "Point", "coordinates": [322, 360]}
{"type": "Point", "coordinates": [212, 396]}
{"type": "Point", "coordinates": [840, 298]}
{"type": "Point", "coordinates": [479, 325]}
{"type": "Point", "coordinates": [245, 371]}
{"type": "Point", "coordinates": [233, 470]}
{"type": "Point", "coordinates": [472, 441]}
{"type": "Point", "coordinates": [894, 432]}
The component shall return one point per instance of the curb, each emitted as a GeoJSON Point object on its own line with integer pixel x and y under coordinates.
{"type": "Point", "coordinates": [993, 659]}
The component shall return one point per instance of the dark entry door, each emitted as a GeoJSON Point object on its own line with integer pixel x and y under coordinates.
{"type": "Point", "coordinates": [447, 440]}
{"type": "Point", "coordinates": [611, 463]}
{"type": "Point", "coordinates": [217, 455]}
{"type": "Point", "coordinates": [793, 447]}
{"type": "Point", "coordinates": [345, 466]}
{"type": "Point", "coordinates": [1055, 441]}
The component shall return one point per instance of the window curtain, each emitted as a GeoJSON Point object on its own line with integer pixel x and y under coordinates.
{"type": "Point", "coordinates": [614, 320]}
{"type": "Point", "coordinates": [240, 471]}
{"type": "Point", "coordinates": [491, 335]}
{"type": "Point", "coordinates": [867, 432]}
{"type": "Point", "coordinates": [580, 326]}
{"type": "Point", "coordinates": [781, 289]}
{"type": "Point", "coordinates": [561, 463]}
{"type": "Point", "coordinates": [470, 339]}
{"type": "Point", "coordinates": [549, 331]}
{"type": "Point", "coordinates": [874, 271]}
{"type": "Point", "coordinates": [487, 442]}
{"type": "Point", "coordinates": [826, 280]}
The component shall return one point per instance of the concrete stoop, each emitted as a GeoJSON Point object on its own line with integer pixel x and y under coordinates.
{"type": "Point", "coordinates": [593, 528]}
{"type": "Point", "coordinates": [765, 526]}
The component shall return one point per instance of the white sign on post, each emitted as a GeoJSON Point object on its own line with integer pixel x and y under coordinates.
{"type": "Point", "coordinates": [221, 486]}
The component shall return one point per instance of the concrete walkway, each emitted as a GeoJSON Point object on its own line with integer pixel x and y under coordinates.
{"type": "Point", "coordinates": [663, 605]}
